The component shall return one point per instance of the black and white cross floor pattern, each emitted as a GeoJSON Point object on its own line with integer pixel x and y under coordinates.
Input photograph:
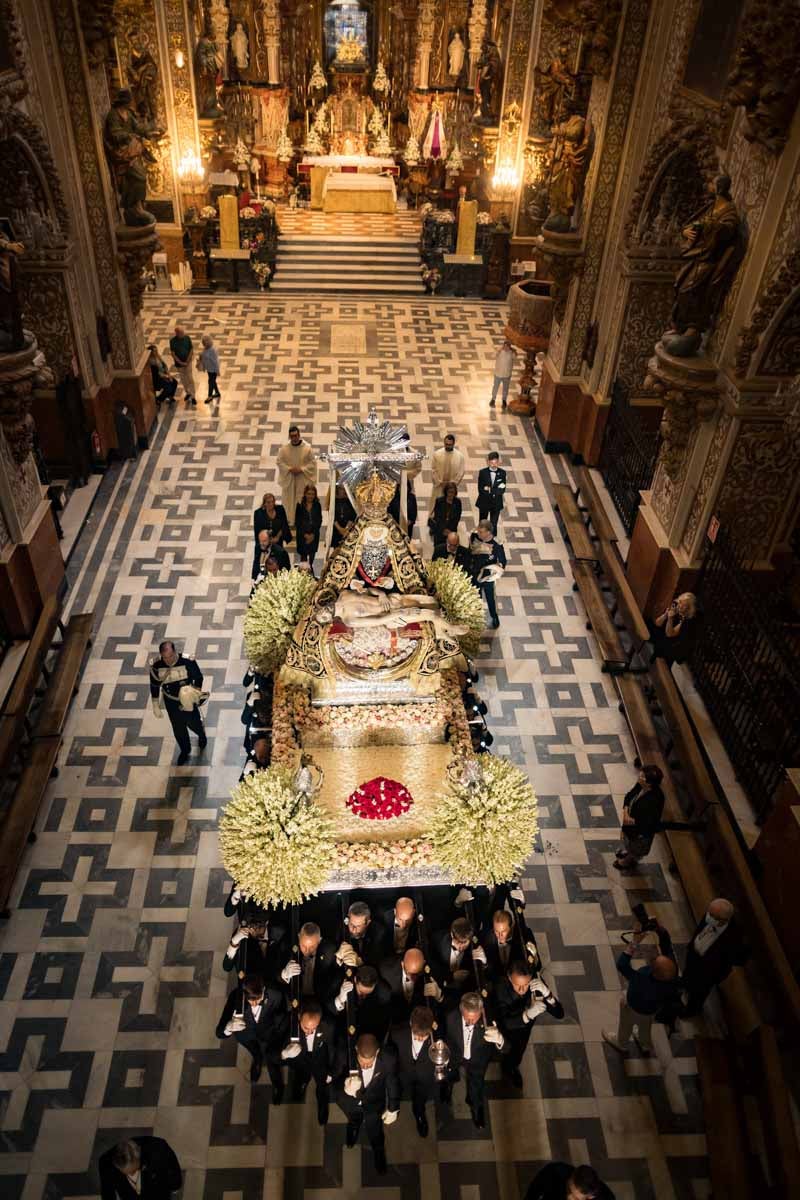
{"type": "Point", "coordinates": [111, 980]}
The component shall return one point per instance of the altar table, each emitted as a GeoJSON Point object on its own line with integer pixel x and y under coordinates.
{"type": "Point", "coordinates": [359, 193]}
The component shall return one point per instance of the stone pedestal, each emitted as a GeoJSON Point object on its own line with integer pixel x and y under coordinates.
{"type": "Point", "coordinates": [570, 420]}
{"type": "Point", "coordinates": [656, 571]}
{"type": "Point", "coordinates": [199, 259]}
{"type": "Point", "coordinates": [136, 245]}
{"type": "Point", "coordinates": [530, 319]}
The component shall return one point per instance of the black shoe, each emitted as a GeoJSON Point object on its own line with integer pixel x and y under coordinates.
{"type": "Point", "coordinates": [202, 742]}
{"type": "Point", "coordinates": [491, 404]}
{"type": "Point", "coordinates": [277, 1094]}
{"type": "Point", "coordinates": [514, 1077]}
{"type": "Point", "coordinates": [255, 1070]}
{"type": "Point", "coordinates": [422, 1124]}
{"type": "Point", "coordinates": [479, 1118]}
{"type": "Point", "coordinates": [183, 757]}
{"type": "Point", "coordinates": [352, 1135]}
{"type": "Point", "coordinates": [322, 1114]}
{"type": "Point", "coordinates": [380, 1162]}
{"type": "Point", "coordinates": [495, 622]}
{"type": "Point", "coordinates": [210, 398]}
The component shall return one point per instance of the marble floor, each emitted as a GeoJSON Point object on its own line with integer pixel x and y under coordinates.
{"type": "Point", "coordinates": [110, 965]}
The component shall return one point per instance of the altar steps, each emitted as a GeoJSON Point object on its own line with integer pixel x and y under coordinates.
{"type": "Point", "coordinates": [336, 265]}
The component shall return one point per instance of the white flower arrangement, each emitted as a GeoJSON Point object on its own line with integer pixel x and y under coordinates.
{"type": "Point", "coordinates": [375, 125]}
{"type": "Point", "coordinates": [484, 218]}
{"type": "Point", "coordinates": [380, 80]}
{"type": "Point", "coordinates": [248, 213]}
{"type": "Point", "coordinates": [484, 832]}
{"type": "Point", "coordinates": [317, 79]}
{"type": "Point", "coordinates": [208, 212]}
{"type": "Point", "coordinates": [384, 856]}
{"type": "Point", "coordinates": [382, 147]}
{"type": "Point", "coordinates": [272, 614]}
{"type": "Point", "coordinates": [411, 153]}
{"type": "Point", "coordinates": [460, 600]}
{"type": "Point", "coordinates": [314, 143]}
{"type": "Point", "coordinates": [455, 162]}
{"type": "Point", "coordinates": [285, 149]}
{"type": "Point", "coordinates": [277, 845]}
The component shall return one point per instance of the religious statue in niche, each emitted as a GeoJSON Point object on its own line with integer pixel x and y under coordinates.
{"type": "Point", "coordinates": [142, 77]}
{"type": "Point", "coordinates": [455, 55]}
{"type": "Point", "coordinates": [571, 151]}
{"type": "Point", "coordinates": [240, 47]}
{"type": "Point", "coordinates": [555, 85]}
{"type": "Point", "coordinates": [206, 72]}
{"type": "Point", "coordinates": [715, 246]}
{"type": "Point", "coordinates": [125, 139]}
{"type": "Point", "coordinates": [11, 335]}
{"type": "Point", "coordinates": [490, 82]}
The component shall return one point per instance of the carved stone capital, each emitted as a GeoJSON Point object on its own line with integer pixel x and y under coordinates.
{"type": "Point", "coordinates": [561, 258]}
{"type": "Point", "coordinates": [136, 245]}
{"type": "Point", "coordinates": [764, 80]}
{"type": "Point", "coordinates": [690, 390]}
{"type": "Point", "coordinates": [18, 374]}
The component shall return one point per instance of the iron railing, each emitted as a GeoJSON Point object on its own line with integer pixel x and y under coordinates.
{"type": "Point", "coordinates": [748, 674]}
{"type": "Point", "coordinates": [628, 456]}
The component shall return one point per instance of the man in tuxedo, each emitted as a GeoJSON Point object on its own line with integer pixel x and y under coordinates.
{"type": "Point", "coordinates": [497, 944]}
{"type": "Point", "coordinates": [562, 1181]}
{"type": "Point", "coordinates": [488, 557]}
{"type": "Point", "coordinates": [716, 947]}
{"type": "Point", "coordinates": [454, 955]}
{"type": "Point", "coordinates": [519, 998]}
{"type": "Point", "coordinates": [364, 935]}
{"type": "Point", "coordinates": [410, 982]}
{"type": "Point", "coordinates": [314, 962]}
{"type": "Point", "coordinates": [452, 549]}
{"type": "Point", "coordinates": [491, 490]}
{"type": "Point", "coordinates": [402, 927]}
{"type": "Point", "coordinates": [473, 1045]}
{"type": "Point", "coordinates": [314, 1056]}
{"type": "Point", "coordinates": [251, 952]}
{"type": "Point", "coordinates": [143, 1167]}
{"type": "Point", "coordinates": [266, 550]}
{"type": "Point", "coordinates": [256, 1017]}
{"type": "Point", "coordinates": [416, 1070]}
{"type": "Point", "coordinates": [371, 1004]}
{"type": "Point", "coordinates": [371, 1096]}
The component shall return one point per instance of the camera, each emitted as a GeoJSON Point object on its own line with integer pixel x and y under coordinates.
{"type": "Point", "coordinates": [646, 923]}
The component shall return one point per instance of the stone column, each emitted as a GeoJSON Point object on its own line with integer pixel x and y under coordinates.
{"type": "Point", "coordinates": [267, 49]}
{"type": "Point", "coordinates": [476, 29]}
{"type": "Point", "coordinates": [426, 16]}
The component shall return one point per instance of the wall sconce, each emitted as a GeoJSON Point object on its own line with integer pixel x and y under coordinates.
{"type": "Point", "coordinates": [190, 175]}
{"type": "Point", "coordinates": [180, 61]}
{"type": "Point", "coordinates": [505, 182]}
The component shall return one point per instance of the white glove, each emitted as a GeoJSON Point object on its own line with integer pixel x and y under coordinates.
{"type": "Point", "coordinates": [535, 1010]}
{"type": "Point", "coordinates": [389, 1118]}
{"type": "Point", "coordinates": [155, 704]}
{"type": "Point", "coordinates": [531, 948]}
{"type": "Point", "coordinates": [346, 955]}
{"type": "Point", "coordinates": [432, 990]}
{"type": "Point", "coordinates": [479, 954]}
{"type": "Point", "coordinates": [540, 989]}
{"type": "Point", "coordinates": [464, 896]}
{"type": "Point", "coordinates": [291, 969]}
{"type": "Point", "coordinates": [292, 1050]}
{"type": "Point", "coordinates": [344, 992]}
{"type": "Point", "coordinates": [517, 894]}
{"type": "Point", "coordinates": [352, 1085]}
{"type": "Point", "coordinates": [494, 1037]}
{"type": "Point", "coordinates": [328, 1078]}
{"type": "Point", "coordinates": [239, 935]}
{"type": "Point", "coordinates": [235, 1025]}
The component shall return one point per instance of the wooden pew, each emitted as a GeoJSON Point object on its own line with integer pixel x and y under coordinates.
{"type": "Point", "coordinates": [599, 618]}
{"type": "Point", "coordinates": [17, 828]}
{"type": "Point", "coordinates": [624, 599]}
{"type": "Point", "coordinates": [593, 505]}
{"type": "Point", "coordinates": [731, 1167]}
{"type": "Point", "coordinates": [776, 1115]}
{"type": "Point", "coordinates": [65, 677]}
{"type": "Point", "coordinates": [575, 531]}
{"type": "Point", "coordinates": [14, 711]}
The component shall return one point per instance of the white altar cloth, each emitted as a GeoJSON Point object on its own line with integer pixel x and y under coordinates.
{"type": "Point", "coordinates": [359, 192]}
{"type": "Point", "coordinates": [366, 162]}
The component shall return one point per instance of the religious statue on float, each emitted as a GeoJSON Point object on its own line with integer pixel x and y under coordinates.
{"type": "Point", "coordinates": [125, 140]}
{"type": "Point", "coordinates": [715, 246]}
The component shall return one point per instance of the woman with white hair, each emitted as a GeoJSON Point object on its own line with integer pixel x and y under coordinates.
{"type": "Point", "coordinates": [672, 633]}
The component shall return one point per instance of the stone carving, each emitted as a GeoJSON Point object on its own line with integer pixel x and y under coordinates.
{"type": "Point", "coordinates": [758, 484]}
{"type": "Point", "coordinates": [490, 82]}
{"type": "Point", "coordinates": [647, 308]}
{"type": "Point", "coordinates": [143, 78]}
{"type": "Point", "coordinates": [781, 356]}
{"type": "Point", "coordinates": [561, 261]}
{"type": "Point", "coordinates": [764, 79]}
{"type": "Point", "coordinates": [13, 77]}
{"type": "Point", "coordinates": [240, 47]}
{"type": "Point", "coordinates": [98, 26]}
{"type": "Point", "coordinates": [11, 334]}
{"type": "Point", "coordinates": [18, 373]}
{"type": "Point", "coordinates": [476, 28]}
{"type": "Point", "coordinates": [135, 248]}
{"type": "Point", "coordinates": [597, 22]}
{"type": "Point", "coordinates": [125, 140]}
{"type": "Point", "coordinates": [712, 462]}
{"type": "Point", "coordinates": [19, 132]}
{"type": "Point", "coordinates": [555, 84]}
{"type": "Point", "coordinates": [690, 395]}
{"type": "Point", "coordinates": [219, 18]}
{"type": "Point", "coordinates": [769, 304]}
{"type": "Point", "coordinates": [267, 55]}
{"type": "Point", "coordinates": [455, 55]}
{"type": "Point", "coordinates": [571, 151]}
{"type": "Point", "coordinates": [426, 20]}
{"type": "Point", "coordinates": [715, 248]}
{"type": "Point", "coordinates": [206, 70]}
{"type": "Point", "coordinates": [672, 183]}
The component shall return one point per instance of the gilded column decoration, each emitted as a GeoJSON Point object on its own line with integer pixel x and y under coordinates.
{"type": "Point", "coordinates": [220, 17]}
{"type": "Point", "coordinates": [426, 15]}
{"type": "Point", "coordinates": [772, 300]}
{"type": "Point", "coordinates": [266, 16]}
{"type": "Point", "coordinates": [143, 70]}
{"type": "Point", "coordinates": [178, 83]}
{"type": "Point", "coordinates": [701, 496]}
{"type": "Point", "coordinates": [764, 80]}
{"type": "Point", "coordinates": [99, 27]}
{"type": "Point", "coordinates": [476, 29]}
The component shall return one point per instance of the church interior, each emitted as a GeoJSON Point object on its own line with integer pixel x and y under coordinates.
{"type": "Point", "coordinates": [399, 599]}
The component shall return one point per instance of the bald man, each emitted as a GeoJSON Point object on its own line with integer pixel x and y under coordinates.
{"type": "Point", "coordinates": [715, 949]}
{"type": "Point", "coordinates": [651, 988]}
{"type": "Point", "coordinates": [411, 983]}
{"type": "Point", "coordinates": [400, 922]}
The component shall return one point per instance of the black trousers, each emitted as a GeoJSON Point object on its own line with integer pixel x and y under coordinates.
{"type": "Point", "coordinates": [517, 1042]}
{"type": "Point", "coordinates": [269, 1055]}
{"type": "Point", "coordinates": [213, 390]}
{"type": "Point", "coordinates": [373, 1127]}
{"type": "Point", "coordinates": [491, 602]}
{"type": "Point", "coordinates": [300, 1077]}
{"type": "Point", "coordinates": [182, 722]}
{"type": "Point", "coordinates": [419, 1094]}
{"type": "Point", "coordinates": [167, 390]}
{"type": "Point", "coordinates": [492, 515]}
{"type": "Point", "coordinates": [475, 1079]}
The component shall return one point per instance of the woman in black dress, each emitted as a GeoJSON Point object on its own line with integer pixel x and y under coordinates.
{"type": "Point", "coordinates": [641, 817]}
{"type": "Point", "coordinates": [446, 514]}
{"type": "Point", "coordinates": [343, 516]}
{"type": "Point", "coordinates": [672, 634]}
{"type": "Point", "coordinates": [308, 523]}
{"type": "Point", "coordinates": [272, 517]}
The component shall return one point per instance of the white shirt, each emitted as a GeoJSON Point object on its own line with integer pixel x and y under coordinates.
{"type": "Point", "coordinates": [492, 475]}
{"type": "Point", "coordinates": [467, 1031]}
{"type": "Point", "coordinates": [255, 1013]}
{"type": "Point", "coordinates": [504, 363]}
{"type": "Point", "coordinates": [455, 958]}
{"type": "Point", "coordinates": [367, 1073]}
{"type": "Point", "coordinates": [135, 1181]}
{"type": "Point", "coordinates": [708, 935]}
{"type": "Point", "coordinates": [310, 1040]}
{"type": "Point", "coordinates": [416, 1047]}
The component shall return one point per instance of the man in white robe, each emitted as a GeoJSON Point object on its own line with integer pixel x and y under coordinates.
{"type": "Point", "coordinates": [448, 465]}
{"type": "Point", "coordinates": [297, 467]}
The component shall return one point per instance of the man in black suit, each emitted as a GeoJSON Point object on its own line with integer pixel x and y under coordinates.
{"type": "Point", "coordinates": [402, 927]}
{"type": "Point", "coordinates": [716, 947]}
{"type": "Point", "coordinates": [454, 954]}
{"type": "Point", "coordinates": [488, 562]}
{"type": "Point", "coordinates": [256, 1017]}
{"type": "Point", "coordinates": [519, 998]}
{"type": "Point", "coordinates": [169, 674]}
{"type": "Point", "coordinates": [314, 1056]}
{"type": "Point", "coordinates": [266, 550]}
{"type": "Point", "coordinates": [365, 936]}
{"type": "Point", "coordinates": [371, 1005]}
{"type": "Point", "coordinates": [411, 983]}
{"type": "Point", "coordinates": [416, 1070]}
{"type": "Point", "coordinates": [473, 1044]}
{"type": "Point", "coordinates": [491, 490]}
{"type": "Point", "coordinates": [562, 1181]}
{"type": "Point", "coordinates": [371, 1096]}
{"type": "Point", "coordinates": [314, 962]}
{"type": "Point", "coordinates": [452, 549]}
{"type": "Point", "coordinates": [497, 944]}
{"type": "Point", "coordinates": [252, 951]}
{"type": "Point", "coordinates": [143, 1167]}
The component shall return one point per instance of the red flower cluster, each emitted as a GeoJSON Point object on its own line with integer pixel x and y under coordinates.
{"type": "Point", "coordinates": [380, 799]}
